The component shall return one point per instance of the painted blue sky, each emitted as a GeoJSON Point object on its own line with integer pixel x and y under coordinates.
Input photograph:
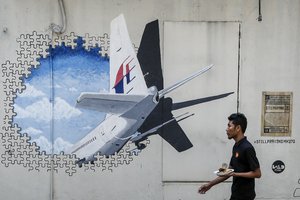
{"type": "Point", "coordinates": [61, 76]}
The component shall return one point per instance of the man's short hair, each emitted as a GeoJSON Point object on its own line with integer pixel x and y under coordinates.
{"type": "Point", "coordinates": [239, 119]}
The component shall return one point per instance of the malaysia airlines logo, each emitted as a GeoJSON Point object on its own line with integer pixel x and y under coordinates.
{"type": "Point", "coordinates": [126, 67]}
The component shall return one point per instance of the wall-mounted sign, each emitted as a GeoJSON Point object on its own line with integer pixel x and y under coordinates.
{"type": "Point", "coordinates": [276, 113]}
{"type": "Point", "coordinates": [278, 166]}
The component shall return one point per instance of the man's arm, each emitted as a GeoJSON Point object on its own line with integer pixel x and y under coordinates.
{"type": "Point", "coordinates": [251, 174]}
{"type": "Point", "coordinates": [204, 188]}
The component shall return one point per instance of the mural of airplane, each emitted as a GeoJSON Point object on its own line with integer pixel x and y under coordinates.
{"type": "Point", "coordinates": [136, 105]}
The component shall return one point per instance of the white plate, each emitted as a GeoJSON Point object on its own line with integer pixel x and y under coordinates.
{"type": "Point", "coordinates": [228, 171]}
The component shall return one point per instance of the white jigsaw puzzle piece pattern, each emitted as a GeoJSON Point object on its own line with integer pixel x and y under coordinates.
{"type": "Point", "coordinates": [18, 148]}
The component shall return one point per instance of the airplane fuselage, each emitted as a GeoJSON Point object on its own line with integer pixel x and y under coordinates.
{"type": "Point", "coordinates": [113, 133]}
{"type": "Point", "coordinates": [131, 101]}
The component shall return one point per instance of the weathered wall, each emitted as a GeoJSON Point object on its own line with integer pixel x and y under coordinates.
{"type": "Point", "coordinates": [249, 56]}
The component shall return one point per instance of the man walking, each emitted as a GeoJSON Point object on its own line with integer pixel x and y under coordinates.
{"type": "Point", "coordinates": [243, 161]}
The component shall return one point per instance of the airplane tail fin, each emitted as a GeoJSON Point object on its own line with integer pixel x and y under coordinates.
{"type": "Point", "coordinates": [126, 76]}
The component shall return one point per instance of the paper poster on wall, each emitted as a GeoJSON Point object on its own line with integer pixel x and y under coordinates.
{"type": "Point", "coordinates": [276, 113]}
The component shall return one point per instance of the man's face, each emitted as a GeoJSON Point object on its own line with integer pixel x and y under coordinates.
{"type": "Point", "coordinates": [231, 130]}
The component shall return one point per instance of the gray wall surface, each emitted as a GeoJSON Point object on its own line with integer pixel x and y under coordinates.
{"type": "Point", "coordinates": [250, 57]}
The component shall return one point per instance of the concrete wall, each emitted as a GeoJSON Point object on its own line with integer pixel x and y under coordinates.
{"type": "Point", "coordinates": [250, 57]}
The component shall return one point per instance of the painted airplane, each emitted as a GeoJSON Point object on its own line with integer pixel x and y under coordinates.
{"type": "Point", "coordinates": [136, 106]}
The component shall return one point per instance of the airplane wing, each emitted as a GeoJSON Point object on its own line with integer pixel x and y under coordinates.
{"type": "Point", "coordinates": [172, 132]}
{"type": "Point", "coordinates": [150, 60]}
{"type": "Point", "coordinates": [108, 103]}
{"type": "Point", "coordinates": [149, 56]}
{"type": "Point", "coordinates": [175, 136]}
{"type": "Point", "coordinates": [198, 101]}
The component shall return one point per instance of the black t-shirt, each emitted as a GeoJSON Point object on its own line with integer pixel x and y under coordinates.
{"type": "Point", "coordinates": [243, 160]}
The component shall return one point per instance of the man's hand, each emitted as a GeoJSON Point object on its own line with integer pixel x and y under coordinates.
{"type": "Point", "coordinates": [226, 175]}
{"type": "Point", "coordinates": [204, 188]}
